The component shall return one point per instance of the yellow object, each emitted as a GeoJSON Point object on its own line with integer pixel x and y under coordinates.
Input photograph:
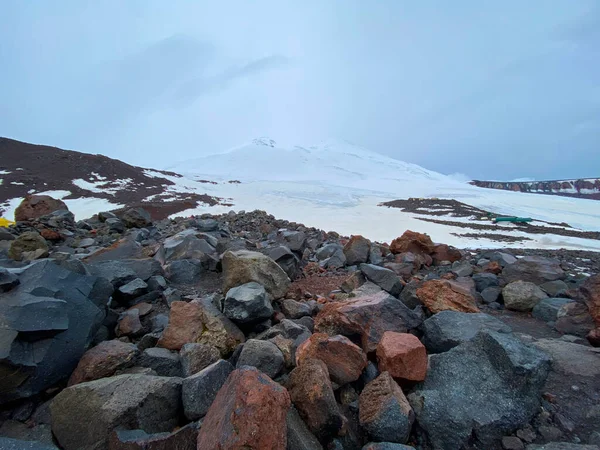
{"type": "Point", "coordinates": [5, 222]}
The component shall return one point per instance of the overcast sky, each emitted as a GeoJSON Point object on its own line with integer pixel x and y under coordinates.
{"type": "Point", "coordinates": [493, 89]}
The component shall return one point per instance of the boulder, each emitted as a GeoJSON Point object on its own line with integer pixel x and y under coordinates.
{"type": "Point", "coordinates": [263, 355]}
{"type": "Point", "coordinates": [384, 411]}
{"type": "Point", "coordinates": [136, 218]}
{"type": "Point", "coordinates": [522, 295]}
{"type": "Point", "coordinates": [243, 266]}
{"type": "Point", "coordinates": [184, 271]}
{"type": "Point", "coordinates": [295, 310]}
{"type": "Point", "coordinates": [294, 240]}
{"type": "Point", "coordinates": [285, 258]}
{"type": "Point", "coordinates": [403, 356]}
{"type": "Point", "coordinates": [534, 269]}
{"type": "Point", "coordinates": [462, 268]}
{"type": "Point", "coordinates": [135, 288]}
{"type": "Point", "coordinates": [163, 361]}
{"type": "Point", "coordinates": [502, 258]}
{"type": "Point", "coordinates": [248, 412]}
{"type": "Point", "coordinates": [367, 317]}
{"type": "Point", "coordinates": [8, 280]}
{"type": "Point", "coordinates": [28, 246]}
{"type": "Point", "coordinates": [201, 322]}
{"type": "Point", "coordinates": [382, 277]}
{"type": "Point", "coordinates": [331, 256]}
{"type": "Point", "coordinates": [103, 361]}
{"type": "Point", "coordinates": [485, 280]}
{"type": "Point", "coordinates": [574, 318]}
{"type": "Point", "coordinates": [36, 206]}
{"type": "Point", "coordinates": [129, 324]}
{"type": "Point", "coordinates": [195, 357]}
{"type": "Point", "coordinates": [409, 294]}
{"type": "Point", "coordinates": [443, 252]}
{"type": "Point", "coordinates": [200, 390]}
{"type": "Point", "coordinates": [413, 242]}
{"type": "Point", "coordinates": [571, 359]}
{"type": "Point", "coordinates": [48, 322]}
{"type": "Point", "coordinates": [447, 329]}
{"type": "Point", "coordinates": [479, 391]}
{"type": "Point", "coordinates": [547, 308]}
{"type": "Point", "coordinates": [356, 250]}
{"type": "Point", "coordinates": [442, 295]}
{"type": "Point", "coordinates": [118, 273]}
{"type": "Point", "coordinates": [491, 294]}
{"type": "Point", "coordinates": [312, 394]}
{"type": "Point", "coordinates": [143, 402]}
{"type": "Point", "coordinates": [591, 293]}
{"type": "Point", "coordinates": [186, 245]}
{"type": "Point", "coordinates": [182, 439]}
{"type": "Point", "coordinates": [556, 288]}
{"type": "Point", "coordinates": [299, 436]}
{"type": "Point", "coordinates": [345, 360]}
{"type": "Point", "coordinates": [247, 303]}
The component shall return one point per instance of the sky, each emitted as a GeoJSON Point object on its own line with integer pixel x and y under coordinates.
{"type": "Point", "coordinates": [491, 89]}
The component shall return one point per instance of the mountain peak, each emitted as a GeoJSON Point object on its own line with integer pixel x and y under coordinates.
{"type": "Point", "coordinates": [264, 142]}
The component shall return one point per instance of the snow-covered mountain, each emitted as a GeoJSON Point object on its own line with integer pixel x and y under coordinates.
{"type": "Point", "coordinates": [332, 162]}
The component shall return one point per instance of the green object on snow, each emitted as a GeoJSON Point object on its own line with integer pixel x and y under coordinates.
{"type": "Point", "coordinates": [513, 219]}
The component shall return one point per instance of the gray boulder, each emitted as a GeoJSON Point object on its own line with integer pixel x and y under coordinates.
{"type": "Point", "coordinates": [462, 268]}
{"type": "Point", "coordinates": [199, 390]}
{"type": "Point", "coordinates": [409, 297]}
{"type": "Point", "coordinates": [133, 289]}
{"type": "Point", "coordinates": [447, 329]}
{"type": "Point", "coordinates": [186, 245]}
{"type": "Point", "coordinates": [479, 391]}
{"type": "Point", "coordinates": [294, 240]}
{"type": "Point", "coordinates": [84, 415]}
{"type": "Point", "coordinates": [118, 273]}
{"type": "Point", "coordinates": [264, 355]}
{"type": "Point", "coordinates": [555, 288]}
{"type": "Point", "coordinates": [48, 322]}
{"type": "Point", "coordinates": [299, 436]}
{"type": "Point", "coordinates": [115, 225]}
{"type": "Point", "coordinates": [288, 330]}
{"type": "Point", "coordinates": [534, 269]}
{"type": "Point", "coordinates": [384, 278]}
{"type": "Point", "coordinates": [485, 280]}
{"type": "Point", "coordinates": [547, 309]}
{"type": "Point", "coordinates": [357, 250]}
{"type": "Point", "coordinates": [331, 255]}
{"type": "Point", "coordinates": [285, 258]}
{"type": "Point", "coordinates": [491, 294]}
{"type": "Point", "coordinates": [163, 361]}
{"type": "Point", "coordinates": [136, 218]}
{"type": "Point", "coordinates": [522, 295]}
{"type": "Point", "coordinates": [195, 357]}
{"type": "Point", "coordinates": [206, 225]}
{"type": "Point", "coordinates": [247, 303]}
{"type": "Point", "coordinates": [295, 310]}
{"type": "Point", "coordinates": [504, 259]}
{"type": "Point", "coordinates": [7, 280]}
{"type": "Point", "coordinates": [184, 271]}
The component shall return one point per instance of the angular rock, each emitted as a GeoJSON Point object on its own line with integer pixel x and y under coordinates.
{"type": "Point", "coordinates": [36, 206]}
{"type": "Point", "coordinates": [132, 290]}
{"type": "Point", "coordinates": [403, 356]}
{"type": "Point", "coordinates": [571, 359]}
{"type": "Point", "coordinates": [382, 277]}
{"type": "Point", "coordinates": [118, 273]}
{"type": "Point", "coordinates": [136, 218]}
{"type": "Point", "coordinates": [199, 321]}
{"type": "Point", "coordinates": [442, 295]}
{"type": "Point", "coordinates": [447, 329]}
{"type": "Point", "coordinates": [299, 436]}
{"type": "Point", "coordinates": [356, 250]}
{"type": "Point", "coordinates": [485, 280]}
{"type": "Point", "coordinates": [462, 268]}
{"type": "Point", "coordinates": [522, 295]}
{"type": "Point", "coordinates": [129, 324]}
{"type": "Point", "coordinates": [354, 281]}
{"type": "Point", "coordinates": [48, 322]}
{"type": "Point", "coordinates": [186, 245]}
{"type": "Point", "coordinates": [409, 294]}
{"type": "Point", "coordinates": [295, 310]}
{"type": "Point", "coordinates": [443, 252]}
{"type": "Point", "coordinates": [184, 438]}
{"type": "Point", "coordinates": [534, 269]}
{"type": "Point", "coordinates": [410, 241]}
{"type": "Point", "coordinates": [195, 357]}
{"type": "Point", "coordinates": [285, 258]}
{"type": "Point", "coordinates": [331, 256]}
{"type": "Point", "coordinates": [312, 394]}
{"type": "Point", "coordinates": [345, 361]}
{"type": "Point", "coordinates": [368, 317]}
{"type": "Point", "coordinates": [244, 266]}
{"type": "Point", "coordinates": [247, 303]}
{"type": "Point", "coordinates": [103, 361]}
{"type": "Point", "coordinates": [164, 362]}
{"type": "Point", "coordinates": [384, 411]}
{"type": "Point", "coordinates": [547, 309]}
{"type": "Point", "coordinates": [479, 391]}
{"type": "Point", "coordinates": [248, 412]}
{"type": "Point", "coordinates": [7, 280]}
{"type": "Point", "coordinates": [200, 390]}
{"type": "Point", "coordinates": [17, 444]}
{"type": "Point", "coordinates": [555, 288]}
{"type": "Point", "coordinates": [591, 294]}
{"type": "Point", "coordinates": [263, 355]}
{"type": "Point", "coordinates": [141, 402]}
{"type": "Point", "coordinates": [491, 294]}
{"type": "Point", "coordinates": [574, 318]}
{"type": "Point", "coordinates": [28, 246]}
{"type": "Point", "coordinates": [157, 283]}
{"type": "Point", "coordinates": [184, 271]}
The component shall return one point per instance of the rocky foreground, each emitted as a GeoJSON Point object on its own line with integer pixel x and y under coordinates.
{"type": "Point", "coordinates": [241, 331]}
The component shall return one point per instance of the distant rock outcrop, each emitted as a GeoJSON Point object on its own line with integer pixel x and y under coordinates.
{"type": "Point", "coordinates": [581, 187]}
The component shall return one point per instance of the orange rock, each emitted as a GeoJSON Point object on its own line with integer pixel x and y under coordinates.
{"type": "Point", "coordinates": [34, 206]}
{"type": "Point", "coordinates": [411, 241]}
{"type": "Point", "coordinates": [129, 324]}
{"type": "Point", "coordinates": [185, 325]}
{"type": "Point", "coordinates": [442, 295]}
{"type": "Point", "coordinates": [248, 412]}
{"type": "Point", "coordinates": [593, 337]}
{"type": "Point", "coordinates": [103, 361]}
{"type": "Point", "coordinates": [402, 355]}
{"type": "Point", "coordinates": [345, 360]}
{"type": "Point", "coordinates": [443, 252]}
{"type": "Point", "coordinates": [493, 267]}
{"type": "Point", "coordinates": [50, 235]}
{"type": "Point", "coordinates": [591, 293]}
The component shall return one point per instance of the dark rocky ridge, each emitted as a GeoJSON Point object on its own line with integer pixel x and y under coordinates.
{"type": "Point", "coordinates": [580, 188]}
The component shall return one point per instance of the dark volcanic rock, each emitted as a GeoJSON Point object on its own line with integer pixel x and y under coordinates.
{"type": "Point", "coordinates": [182, 439]}
{"type": "Point", "coordinates": [384, 278]}
{"type": "Point", "coordinates": [357, 250]}
{"type": "Point", "coordinates": [164, 362]}
{"type": "Point", "coordinates": [263, 355]}
{"type": "Point", "coordinates": [49, 321]}
{"type": "Point", "coordinates": [299, 436]}
{"type": "Point", "coordinates": [136, 218]}
{"type": "Point", "coordinates": [480, 391]}
{"type": "Point", "coordinates": [547, 309]}
{"type": "Point", "coordinates": [199, 390]}
{"type": "Point", "coordinates": [195, 357]}
{"type": "Point", "coordinates": [247, 303]}
{"type": "Point", "coordinates": [534, 269]}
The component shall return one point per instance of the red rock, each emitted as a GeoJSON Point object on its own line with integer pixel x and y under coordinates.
{"type": "Point", "coordinates": [574, 318]}
{"type": "Point", "coordinates": [591, 294]}
{"type": "Point", "coordinates": [357, 250]}
{"type": "Point", "coordinates": [403, 356]}
{"type": "Point", "coordinates": [35, 206]}
{"type": "Point", "coordinates": [129, 324]}
{"type": "Point", "coordinates": [312, 394]}
{"type": "Point", "coordinates": [249, 412]}
{"type": "Point", "coordinates": [103, 361]}
{"type": "Point", "coordinates": [442, 295]}
{"type": "Point", "coordinates": [345, 360]}
{"type": "Point", "coordinates": [384, 411]}
{"type": "Point", "coordinates": [185, 325]}
{"type": "Point", "coordinates": [413, 242]}
{"type": "Point", "coordinates": [50, 235]}
{"type": "Point", "coordinates": [493, 267]}
{"type": "Point", "coordinates": [368, 317]}
{"type": "Point", "coordinates": [593, 337]}
{"type": "Point", "coordinates": [443, 252]}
